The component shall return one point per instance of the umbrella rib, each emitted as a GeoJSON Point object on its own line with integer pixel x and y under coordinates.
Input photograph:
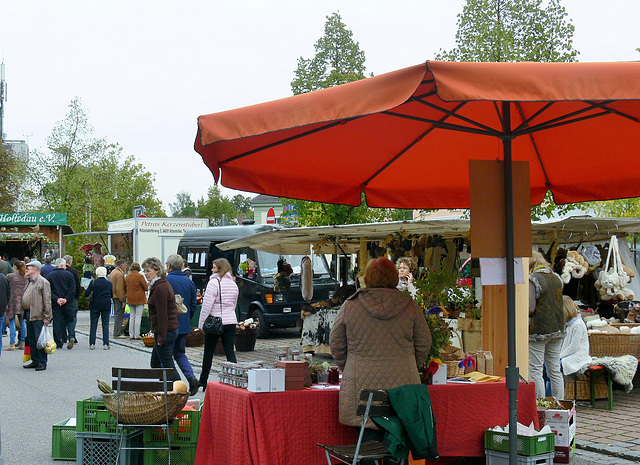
{"type": "Point", "coordinates": [526, 122]}
{"type": "Point", "coordinates": [533, 142]}
{"type": "Point", "coordinates": [288, 139]}
{"type": "Point", "coordinates": [403, 151]}
{"type": "Point", "coordinates": [454, 115]}
{"type": "Point", "coordinates": [546, 125]}
{"type": "Point", "coordinates": [442, 125]}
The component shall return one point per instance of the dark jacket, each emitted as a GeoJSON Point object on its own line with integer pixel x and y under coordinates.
{"type": "Point", "coordinates": [102, 294]}
{"type": "Point", "coordinates": [76, 276]}
{"type": "Point", "coordinates": [182, 285]}
{"type": "Point", "coordinates": [63, 285]}
{"type": "Point", "coordinates": [548, 318]}
{"type": "Point", "coordinates": [4, 293]}
{"type": "Point", "coordinates": [46, 269]}
{"type": "Point", "coordinates": [162, 309]}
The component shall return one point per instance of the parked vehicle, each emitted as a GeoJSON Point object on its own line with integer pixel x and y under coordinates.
{"type": "Point", "coordinates": [254, 272]}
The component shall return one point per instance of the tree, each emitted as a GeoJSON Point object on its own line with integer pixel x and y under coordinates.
{"type": "Point", "coordinates": [12, 177]}
{"type": "Point", "coordinates": [183, 206]}
{"type": "Point", "coordinates": [338, 60]}
{"type": "Point", "coordinates": [87, 177]}
{"type": "Point", "coordinates": [215, 206]}
{"type": "Point", "coordinates": [506, 30]}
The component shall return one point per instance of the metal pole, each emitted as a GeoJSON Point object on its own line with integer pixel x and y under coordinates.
{"type": "Point", "coordinates": [512, 371]}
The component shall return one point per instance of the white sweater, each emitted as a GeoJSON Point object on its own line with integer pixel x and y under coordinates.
{"type": "Point", "coordinates": [574, 354]}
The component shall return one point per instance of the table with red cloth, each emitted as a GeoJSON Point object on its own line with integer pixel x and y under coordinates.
{"type": "Point", "coordinates": [282, 428]}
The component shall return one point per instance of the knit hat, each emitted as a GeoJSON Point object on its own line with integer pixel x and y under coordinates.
{"type": "Point", "coordinates": [101, 272]}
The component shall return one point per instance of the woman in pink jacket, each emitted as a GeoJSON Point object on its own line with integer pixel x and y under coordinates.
{"type": "Point", "coordinates": [220, 299]}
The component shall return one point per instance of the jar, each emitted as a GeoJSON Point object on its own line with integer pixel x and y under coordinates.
{"type": "Point", "coordinates": [334, 376]}
{"type": "Point", "coordinates": [283, 353]}
{"type": "Point", "coordinates": [295, 354]}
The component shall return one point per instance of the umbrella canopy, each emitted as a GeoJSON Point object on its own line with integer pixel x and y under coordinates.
{"type": "Point", "coordinates": [405, 137]}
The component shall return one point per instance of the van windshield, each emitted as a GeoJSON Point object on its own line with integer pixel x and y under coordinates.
{"type": "Point", "coordinates": [268, 263]}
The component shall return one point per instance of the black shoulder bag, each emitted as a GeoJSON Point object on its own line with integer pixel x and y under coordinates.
{"type": "Point", "coordinates": [213, 324]}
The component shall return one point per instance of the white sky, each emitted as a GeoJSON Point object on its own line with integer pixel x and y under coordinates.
{"type": "Point", "coordinates": [146, 70]}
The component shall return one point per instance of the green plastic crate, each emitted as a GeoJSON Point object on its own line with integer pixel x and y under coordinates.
{"type": "Point", "coordinates": [184, 430]}
{"type": "Point", "coordinates": [63, 440]}
{"type": "Point", "coordinates": [525, 445]}
{"type": "Point", "coordinates": [93, 417]}
{"type": "Point", "coordinates": [184, 454]}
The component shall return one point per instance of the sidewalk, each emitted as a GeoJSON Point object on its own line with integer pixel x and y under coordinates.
{"type": "Point", "coordinates": [614, 433]}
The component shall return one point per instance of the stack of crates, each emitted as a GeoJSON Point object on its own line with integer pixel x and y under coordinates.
{"type": "Point", "coordinates": [63, 440]}
{"type": "Point", "coordinates": [97, 439]}
{"type": "Point", "coordinates": [531, 450]}
{"type": "Point", "coordinates": [184, 439]}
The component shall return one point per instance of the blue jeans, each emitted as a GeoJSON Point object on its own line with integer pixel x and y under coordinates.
{"type": "Point", "coordinates": [74, 309]}
{"type": "Point", "coordinates": [38, 356]}
{"type": "Point", "coordinates": [12, 330]}
{"type": "Point", "coordinates": [63, 326]}
{"type": "Point", "coordinates": [162, 355]}
{"type": "Point", "coordinates": [94, 315]}
{"type": "Point", "coordinates": [180, 357]}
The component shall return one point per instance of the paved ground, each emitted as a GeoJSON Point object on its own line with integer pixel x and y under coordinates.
{"type": "Point", "coordinates": [32, 402]}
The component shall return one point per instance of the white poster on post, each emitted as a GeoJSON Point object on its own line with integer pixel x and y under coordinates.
{"type": "Point", "coordinates": [494, 271]}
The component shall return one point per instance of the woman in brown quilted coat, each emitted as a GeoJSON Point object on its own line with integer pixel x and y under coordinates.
{"type": "Point", "coordinates": [388, 339]}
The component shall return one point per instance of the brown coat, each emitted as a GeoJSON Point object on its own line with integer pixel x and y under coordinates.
{"type": "Point", "coordinates": [136, 287]}
{"type": "Point", "coordinates": [162, 309]}
{"type": "Point", "coordinates": [379, 339]}
{"type": "Point", "coordinates": [119, 287]}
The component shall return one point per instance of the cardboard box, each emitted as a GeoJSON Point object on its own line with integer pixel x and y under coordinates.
{"type": "Point", "coordinates": [294, 384]}
{"type": "Point", "coordinates": [259, 380]}
{"type": "Point", "coordinates": [277, 379]}
{"type": "Point", "coordinates": [293, 368]}
{"type": "Point", "coordinates": [563, 423]}
{"type": "Point", "coordinates": [564, 454]}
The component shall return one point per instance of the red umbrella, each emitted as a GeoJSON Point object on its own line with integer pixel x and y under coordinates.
{"type": "Point", "coordinates": [405, 138]}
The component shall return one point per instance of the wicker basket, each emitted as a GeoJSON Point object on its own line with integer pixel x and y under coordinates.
{"type": "Point", "coordinates": [246, 340]}
{"type": "Point", "coordinates": [145, 408]}
{"type": "Point", "coordinates": [453, 369]}
{"type": "Point", "coordinates": [582, 388]}
{"type": "Point", "coordinates": [195, 338]}
{"type": "Point", "coordinates": [614, 344]}
{"type": "Point", "coordinates": [149, 341]}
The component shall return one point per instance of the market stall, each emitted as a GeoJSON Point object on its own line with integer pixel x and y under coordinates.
{"type": "Point", "coordinates": [282, 428]}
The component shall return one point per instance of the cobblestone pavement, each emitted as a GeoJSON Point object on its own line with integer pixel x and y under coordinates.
{"type": "Point", "coordinates": [614, 435]}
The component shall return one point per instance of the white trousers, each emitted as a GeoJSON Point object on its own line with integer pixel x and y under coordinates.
{"type": "Point", "coordinates": [135, 317]}
{"type": "Point", "coordinates": [546, 352]}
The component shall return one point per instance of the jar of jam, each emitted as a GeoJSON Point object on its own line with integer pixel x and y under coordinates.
{"type": "Point", "coordinates": [334, 376]}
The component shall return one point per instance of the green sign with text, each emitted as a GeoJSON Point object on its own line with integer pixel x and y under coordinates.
{"type": "Point", "coordinates": [45, 219]}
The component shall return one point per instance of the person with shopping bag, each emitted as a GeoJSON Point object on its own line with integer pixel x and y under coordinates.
{"type": "Point", "coordinates": [36, 300]}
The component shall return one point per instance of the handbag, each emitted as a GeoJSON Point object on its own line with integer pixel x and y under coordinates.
{"type": "Point", "coordinates": [181, 308]}
{"type": "Point", "coordinates": [213, 324]}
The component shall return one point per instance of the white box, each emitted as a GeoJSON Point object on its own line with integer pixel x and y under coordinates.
{"type": "Point", "coordinates": [440, 376]}
{"type": "Point", "coordinates": [259, 380]}
{"type": "Point", "coordinates": [563, 423]}
{"type": "Point", "coordinates": [277, 379]}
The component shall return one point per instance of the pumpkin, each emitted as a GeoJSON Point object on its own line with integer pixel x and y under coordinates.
{"type": "Point", "coordinates": [180, 386]}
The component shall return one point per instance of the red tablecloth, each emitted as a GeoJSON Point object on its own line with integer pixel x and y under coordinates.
{"type": "Point", "coordinates": [282, 428]}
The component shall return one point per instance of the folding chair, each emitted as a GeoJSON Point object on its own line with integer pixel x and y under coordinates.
{"type": "Point", "coordinates": [142, 380]}
{"type": "Point", "coordinates": [373, 403]}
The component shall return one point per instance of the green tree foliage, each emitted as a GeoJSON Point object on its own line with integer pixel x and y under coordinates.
{"type": "Point", "coordinates": [509, 30]}
{"type": "Point", "coordinates": [213, 207]}
{"type": "Point", "coordinates": [12, 176]}
{"type": "Point", "coordinates": [183, 206]}
{"type": "Point", "coordinates": [338, 60]}
{"type": "Point", "coordinates": [88, 178]}
{"type": "Point", "coordinates": [216, 205]}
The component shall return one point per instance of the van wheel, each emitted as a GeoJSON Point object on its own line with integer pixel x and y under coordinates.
{"type": "Point", "coordinates": [263, 327]}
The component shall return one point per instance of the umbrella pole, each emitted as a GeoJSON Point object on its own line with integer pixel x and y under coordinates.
{"type": "Point", "coordinates": [512, 371]}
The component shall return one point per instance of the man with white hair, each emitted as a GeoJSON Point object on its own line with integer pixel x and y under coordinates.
{"type": "Point", "coordinates": [36, 300]}
{"type": "Point", "coordinates": [63, 290]}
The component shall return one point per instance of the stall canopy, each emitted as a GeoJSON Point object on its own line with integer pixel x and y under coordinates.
{"type": "Point", "coordinates": [346, 238]}
{"type": "Point", "coordinates": [405, 139]}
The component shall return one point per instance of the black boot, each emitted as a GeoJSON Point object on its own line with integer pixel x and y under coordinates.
{"type": "Point", "coordinates": [194, 385]}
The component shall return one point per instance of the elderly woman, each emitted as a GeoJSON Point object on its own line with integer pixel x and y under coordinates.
{"type": "Point", "coordinates": [546, 325]}
{"type": "Point", "coordinates": [136, 286]}
{"type": "Point", "coordinates": [17, 284]}
{"type": "Point", "coordinates": [220, 299]}
{"type": "Point", "coordinates": [163, 315]}
{"type": "Point", "coordinates": [101, 292]}
{"type": "Point", "coordinates": [379, 339]}
{"type": "Point", "coordinates": [574, 355]}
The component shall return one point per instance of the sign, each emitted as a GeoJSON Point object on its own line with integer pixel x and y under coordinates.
{"type": "Point", "coordinates": [271, 216]}
{"type": "Point", "coordinates": [24, 219]}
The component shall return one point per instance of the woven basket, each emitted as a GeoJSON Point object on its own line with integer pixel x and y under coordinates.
{"type": "Point", "coordinates": [145, 408]}
{"type": "Point", "coordinates": [614, 344]}
{"type": "Point", "coordinates": [582, 387]}
{"type": "Point", "coordinates": [246, 340]}
{"type": "Point", "coordinates": [195, 338]}
{"type": "Point", "coordinates": [453, 369]}
{"type": "Point", "coordinates": [149, 341]}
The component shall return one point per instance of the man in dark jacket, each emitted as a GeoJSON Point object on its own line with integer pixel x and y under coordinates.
{"type": "Point", "coordinates": [74, 304]}
{"type": "Point", "coordinates": [187, 289]}
{"type": "Point", "coordinates": [47, 268]}
{"type": "Point", "coordinates": [63, 291]}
